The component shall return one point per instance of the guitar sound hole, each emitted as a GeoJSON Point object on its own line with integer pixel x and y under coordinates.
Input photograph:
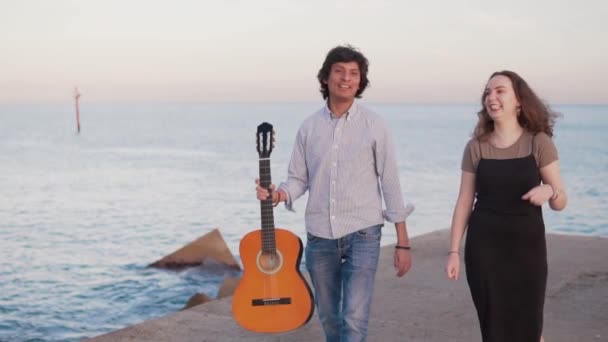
{"type": "Point", "coordinates": [270, 262]}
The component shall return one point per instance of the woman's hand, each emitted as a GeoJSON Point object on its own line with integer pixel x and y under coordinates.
{"type": "Point", "coordinates": [539, 194]}
{"type": "Point", "coordinates": [452, 268]}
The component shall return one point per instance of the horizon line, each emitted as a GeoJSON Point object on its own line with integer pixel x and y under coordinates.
{"type": "Point", "coordinates": [245, 102]}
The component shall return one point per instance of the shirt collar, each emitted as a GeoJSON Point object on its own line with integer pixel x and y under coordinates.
{"type": "Point", "coordinates": [349, 115]}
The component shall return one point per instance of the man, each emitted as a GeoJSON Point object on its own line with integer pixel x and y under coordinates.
{"type": "Point", "coordinates": [345, 158]}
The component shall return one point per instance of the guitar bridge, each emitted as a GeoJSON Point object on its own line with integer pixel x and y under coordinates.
{"type": "Point", "coordinates": [271, 301]}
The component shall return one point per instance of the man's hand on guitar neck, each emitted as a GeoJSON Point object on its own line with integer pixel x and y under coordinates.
{"type": "Point", "coordinates": [263, 193]}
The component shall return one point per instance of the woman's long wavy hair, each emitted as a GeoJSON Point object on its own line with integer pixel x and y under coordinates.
{"type": "Point", "coordinates": [535, 116]}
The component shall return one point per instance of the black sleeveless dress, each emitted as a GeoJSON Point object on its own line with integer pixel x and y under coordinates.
{"type": "Point", "coordinates": [505, 251]}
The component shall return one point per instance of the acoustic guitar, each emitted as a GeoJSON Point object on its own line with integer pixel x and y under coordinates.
{"type": "Point", "coordinates": [272, 295]}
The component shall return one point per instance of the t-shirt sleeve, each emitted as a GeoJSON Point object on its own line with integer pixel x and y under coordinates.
{"type": "Point", "coordinates": [546, 152]}
{"type": "Point", "coordinates": [468, 158]}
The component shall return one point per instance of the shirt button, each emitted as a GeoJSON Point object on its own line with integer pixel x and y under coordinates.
{"type": "Point", "coordinates": [335, 164]}
{"type": "Point", "coordinates": [333, 217]}
{"type": "Point", "coordinates": [333, 200]}
{"type": "Point", "coordinates": [335, 146]}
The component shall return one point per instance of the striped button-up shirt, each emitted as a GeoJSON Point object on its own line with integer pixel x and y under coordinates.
{"type": "Point", "coordinates": [347, 164]}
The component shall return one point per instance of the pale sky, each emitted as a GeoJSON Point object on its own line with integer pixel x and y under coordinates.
{"type": "Point", "coordinates": [270, 50]}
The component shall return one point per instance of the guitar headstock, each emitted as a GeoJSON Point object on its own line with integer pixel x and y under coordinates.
{"type": "Point", "coordinates": [265, 140]}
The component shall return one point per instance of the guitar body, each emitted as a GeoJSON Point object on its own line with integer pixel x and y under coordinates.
{"type": "Point", "coordinates": [272, 295]}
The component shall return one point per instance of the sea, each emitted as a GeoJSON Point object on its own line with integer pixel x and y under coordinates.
{"type": "Point", "coordinates": [83, 215]}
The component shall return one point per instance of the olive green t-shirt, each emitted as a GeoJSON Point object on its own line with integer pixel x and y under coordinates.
{"type": "Point", "coordinates": [541, 146]}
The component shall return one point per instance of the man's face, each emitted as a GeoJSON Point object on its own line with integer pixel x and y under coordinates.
{"type": "Point", "coordinates": [343, 81]}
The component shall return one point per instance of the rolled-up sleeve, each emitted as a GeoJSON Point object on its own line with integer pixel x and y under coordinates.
{"type": "Point", "coordinates": [297, 174]}
{"type": "Point", "coordinates": [388, 173]}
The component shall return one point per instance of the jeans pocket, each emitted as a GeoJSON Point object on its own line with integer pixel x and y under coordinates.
{"type": "Point", "coordinates": [373, 232]}
{"type": "Point", "coordinates": [311, 238]}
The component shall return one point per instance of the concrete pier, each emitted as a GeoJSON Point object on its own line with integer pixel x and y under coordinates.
{"type": "Point", "coordinates": [424, 305]}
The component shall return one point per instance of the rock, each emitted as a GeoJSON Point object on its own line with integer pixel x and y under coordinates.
{"type": "Point", "coordinates": [228, 286]}
{"type": "Point", "coordinates": [197, 299]}
{"type": "Point", "coordinates": [209, 246]}
{"type": "Point", "coordinates": [226, 290]}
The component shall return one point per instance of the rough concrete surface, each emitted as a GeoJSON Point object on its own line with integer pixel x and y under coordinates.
{"type": "Point", "coordinates": [424, 305]}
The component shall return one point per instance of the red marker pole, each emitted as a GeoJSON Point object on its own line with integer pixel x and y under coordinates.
{"type": "Point", "coordinates": [77, 98]}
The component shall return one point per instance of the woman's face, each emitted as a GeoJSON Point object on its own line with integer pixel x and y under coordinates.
{"type": "Point", "coordinates": [499, 98]}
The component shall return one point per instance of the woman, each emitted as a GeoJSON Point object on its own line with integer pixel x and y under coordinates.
{"type": "Point", "coordinates": [511, 167]}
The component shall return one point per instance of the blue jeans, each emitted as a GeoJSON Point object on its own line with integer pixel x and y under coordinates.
{"type": "Point", "coordinates": [343, 272]}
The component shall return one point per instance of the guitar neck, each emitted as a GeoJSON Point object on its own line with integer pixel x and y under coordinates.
{"type": "Point", "coordinates": [268, 237]}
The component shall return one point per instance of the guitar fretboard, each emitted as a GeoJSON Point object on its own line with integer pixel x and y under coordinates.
{"type": "Point", "coordinates": [268, 238]}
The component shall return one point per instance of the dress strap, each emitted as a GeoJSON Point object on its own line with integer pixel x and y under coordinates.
{"type": "Point", "coordinates": [532, 144]}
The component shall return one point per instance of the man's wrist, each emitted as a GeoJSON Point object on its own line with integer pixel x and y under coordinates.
{"type": "Point", "coordinates": [276, 201]}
